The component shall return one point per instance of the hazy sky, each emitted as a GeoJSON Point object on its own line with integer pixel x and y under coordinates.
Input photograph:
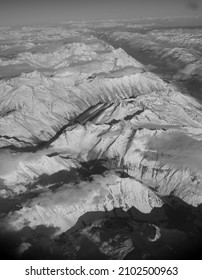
{"type": "Point", "coordinates": [14, 12]}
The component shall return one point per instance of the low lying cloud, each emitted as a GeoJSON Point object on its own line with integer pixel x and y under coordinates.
{"type": "Point", "coordinates": [9, 160]}
{"type": "Point", "coordinates": [76, 194]}
{"type": "Point", "coordinates": [62, 207]}
{"type": "Point", "coordinates": [176, 149]}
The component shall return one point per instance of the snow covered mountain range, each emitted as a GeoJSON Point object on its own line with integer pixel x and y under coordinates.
{"type": "Point", "coordinates": [91, 140]}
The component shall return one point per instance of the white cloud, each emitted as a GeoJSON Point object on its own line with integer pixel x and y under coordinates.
{"type": "Point", "coordinates": [8, 162]}
{"type": "Point", "coordinates": [176, 149]}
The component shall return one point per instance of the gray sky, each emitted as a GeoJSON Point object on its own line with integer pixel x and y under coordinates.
{"type": "Point", "coordinates": [14, 12]}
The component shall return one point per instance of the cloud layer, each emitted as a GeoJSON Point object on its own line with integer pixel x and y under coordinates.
{"type": "Point", "coordinates": [176, 149]}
